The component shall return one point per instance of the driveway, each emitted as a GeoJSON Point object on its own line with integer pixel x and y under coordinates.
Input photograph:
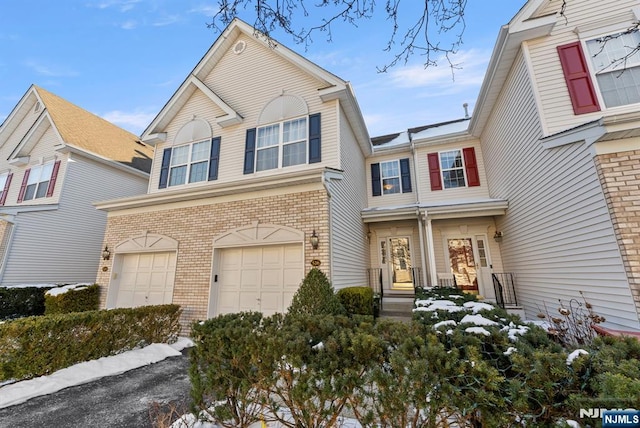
{"type": "Point", "coordinates": [127, 400]}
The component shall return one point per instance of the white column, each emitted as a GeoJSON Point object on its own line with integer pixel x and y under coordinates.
{"type": "Point", "coordinates": [432, 255]}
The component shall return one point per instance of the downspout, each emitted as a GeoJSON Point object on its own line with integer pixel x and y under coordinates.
{"type": "Point", "coordinates": [432, 257]}
{"type": "Point", "coordinates": [327, 187]}
{"type": "Point", "coordinates": [423, 256]}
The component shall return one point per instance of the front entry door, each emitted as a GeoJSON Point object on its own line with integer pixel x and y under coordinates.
{"type": "Point", "coordinates": [470, 264]}
{"type": "Point", "coordinates": [400, 264]}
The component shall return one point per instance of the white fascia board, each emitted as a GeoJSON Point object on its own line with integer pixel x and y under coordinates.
{"type": "Point", "coordinates": [35, 129]}
{"type": "Point", "coordinates": [504, 53]}
{"type": "Point", "coordinates": [473, 209]}
{"type": "Point", "coordinates": [231, 118]}
{"type": "Point", "coordinates": [154, 139]}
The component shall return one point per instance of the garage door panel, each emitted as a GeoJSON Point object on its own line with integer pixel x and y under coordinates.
{"type": "Point", "coordinates": [146, 279]}
{"type": "Point", "coordinates": [265, 280]}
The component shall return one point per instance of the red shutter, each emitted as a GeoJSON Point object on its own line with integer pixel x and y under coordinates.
{"type": "Point", "coordinates": [576, 74]}
{"type": "Point", "coordinates": [23, 187]}
{"type": "Point", "coordinates": [54, 177]}
{"type": "Point", "coordinates": [434, 171]}
{"type": "Point", "coordinates": [3, 198]}
{"type": "Point", "coordinates": [471, 166]}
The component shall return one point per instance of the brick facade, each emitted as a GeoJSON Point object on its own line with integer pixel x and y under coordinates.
{"type": "Point", "coordinates": [619, 175]}
{"type": "Point", "coordinates": [195, 228]}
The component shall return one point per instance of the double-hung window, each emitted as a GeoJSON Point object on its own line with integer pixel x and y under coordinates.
{"type": "Point", "coordinates": [390, 174]}
{"type": "Point", "coordinates": [616, 63]}
{"type": "Point", "coordinates": [282, 144]}
{"type": "Point", "coordinates": [452, 169]}
{"type": "Point", "coordinates": [38, 181]}
{"type": "Point", "coordinates": [189, 163]}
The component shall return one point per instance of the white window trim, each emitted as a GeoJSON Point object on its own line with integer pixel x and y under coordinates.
{"type": "Point", "coordinates": [39, 168]}
{"type": "Point", "coordinates": [281, 144]}
{"type": "Point", "coordinates": [189, 163]}
{"type": "Point", "coordinates": [399, 177]}
{"type": "Point", "coordinates": [463, 167]}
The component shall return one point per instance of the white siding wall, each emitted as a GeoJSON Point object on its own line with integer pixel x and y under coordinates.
{"type": "Point", "coordinates": [395, 199]}
{"type": "Point", "coordinates": [462, 193]}
{"type": "Point", "coordinates": [558, 236]}
{"type": "Point", "coordinates": [247, 82]}
{"type": "Point", "coordinates": [348, 197]}
{"type": "Point", "coordinates": [64, 244]}
{"type": "Point", "coordinates": [593, 18]}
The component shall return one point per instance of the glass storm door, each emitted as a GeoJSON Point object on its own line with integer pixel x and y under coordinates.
{"type": "Point", "coordinates": [463, 263]}
{"type": "Point", "coordinates": [400, 264]}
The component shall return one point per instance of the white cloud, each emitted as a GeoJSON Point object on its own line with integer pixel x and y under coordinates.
{"type": "Point", "coordinates": [205, 10]}
{"type": "Point", "coordinates": [166, 20]}
{"type": "Point", "coordinates": [129, 25]}
{"type": "Point", "coordinates": [135, 121]}
{"type": "Point", "coordinates": [122, 5]}
{"type": "Point", "coordinates": [472, 66]}
{"type": "Point", "coordinates": [51, 70]}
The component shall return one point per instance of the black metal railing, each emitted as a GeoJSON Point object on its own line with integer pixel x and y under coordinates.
{"type": "Point", "coordinates": [504, 285]}
{"type": "Point", "coordinates": [375, 283]}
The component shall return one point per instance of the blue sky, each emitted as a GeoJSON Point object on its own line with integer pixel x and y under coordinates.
{"type": "Point", "coordinates": [123, 59]}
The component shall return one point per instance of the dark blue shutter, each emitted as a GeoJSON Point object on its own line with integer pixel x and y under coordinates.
{"type": "Point", "coordinates": [249, 151]}
{"type": "Point", "coordinates": [405, 175]}
{"type": "Point", "coordinates": [376, 184]}
{"type": "Point", "coordinates": [164, 170]}
{"type": "Point", "coordinates": [315, 149]}
{"type": "Point", "coordinates": [214, 159]}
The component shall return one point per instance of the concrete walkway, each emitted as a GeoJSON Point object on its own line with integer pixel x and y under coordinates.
{"type": "Point", "coordinates": [129, 400]}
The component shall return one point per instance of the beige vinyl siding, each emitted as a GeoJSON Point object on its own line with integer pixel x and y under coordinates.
{"type": "Point", "coordinates": [63, 245]}
{"type": "Point", "coordinates": [463, 193]}
{"type": "Point", "coordinates": [349, 255]}
{"type": "Point", "coordinates": [554, 101]}
{"type": "Point", "coordinates": [42, 152]}
{"type": "Point", "coordinates": [245, 82]}
{"type": "Point", "coordinates": [395, 199]}
{"type": "Point", "coordinates": [558, 236]}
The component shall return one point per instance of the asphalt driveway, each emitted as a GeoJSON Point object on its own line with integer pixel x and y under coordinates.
{"type": "Point", "coordinates": [137, 398]}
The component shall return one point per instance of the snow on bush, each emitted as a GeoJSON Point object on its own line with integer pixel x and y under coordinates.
{"type": "Point", "coordinates": [477, 320]}
{"type": "Point", "coordinates": [575, 354]}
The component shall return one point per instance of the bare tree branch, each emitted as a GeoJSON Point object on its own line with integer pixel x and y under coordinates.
{"type": "Point", "coordinates": [423, 35]}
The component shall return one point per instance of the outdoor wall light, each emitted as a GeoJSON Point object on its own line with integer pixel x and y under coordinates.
{"type": "Point", "coordinates": [106, 254]}
{"type": "Point", "coordinates": [314, 240]}
{"type": "Point", "coordinates": [497, 236]}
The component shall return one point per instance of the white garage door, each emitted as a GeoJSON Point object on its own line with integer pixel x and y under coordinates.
{"type": "Point", "coordinates": [146, 279]}
{"type": "Point", "coordinates": [259, 278]}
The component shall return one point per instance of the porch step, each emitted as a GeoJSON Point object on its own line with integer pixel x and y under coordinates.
{"type": "Point", "coordinates": [399, 308]}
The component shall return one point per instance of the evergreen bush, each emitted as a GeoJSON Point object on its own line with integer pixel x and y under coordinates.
{"type": "Point", "coordinates": [357, 300]}
{"type": "Point", "coordinates": [37, 346]}
{"type": "Point", "coordinates": [315, 296]}
{"type": "Point", "coordinates": [17, 302]}
{"type": "Point", "coordinates": [72, 299]}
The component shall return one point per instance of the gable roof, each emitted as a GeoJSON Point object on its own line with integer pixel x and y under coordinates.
{"type": "Point", "coordinates": [334, 87]}
{"type": "Point", "coordinates": [78, 130]}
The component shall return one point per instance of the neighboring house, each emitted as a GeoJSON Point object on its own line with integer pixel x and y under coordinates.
{"type": "Point", "coordinates": [534, 199]}
{"type": "Point", "coordinates": [55, 160]}
{"type": "Point", "coordinates": [256, 152]}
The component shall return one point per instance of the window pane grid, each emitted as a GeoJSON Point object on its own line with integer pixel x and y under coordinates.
{"type": "Point", "coordinates": [190, 160]}
{"type": "Point", "coordinates": [390, 172]}
{"type": "Point", "coordinates": [281, 146]}
{"type": "Point", "coordinates": [452, 169]}
{"type": "Point", "coordinates": [38, 181]}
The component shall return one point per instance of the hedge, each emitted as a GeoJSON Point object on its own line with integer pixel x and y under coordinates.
{"type": "Point", "coordinates": [37, 346]}
{"type": "Point", "coordinates": [75, 299]}
{"type": "Point", "coordinates": [18, 302]}
{"type": "Point", "coordinates": [357, 300]}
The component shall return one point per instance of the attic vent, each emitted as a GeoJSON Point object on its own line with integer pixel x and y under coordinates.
{"type": "Point", "coordinates": [37, 108]}
{"type": "Point", "coordinates": [239, 47]}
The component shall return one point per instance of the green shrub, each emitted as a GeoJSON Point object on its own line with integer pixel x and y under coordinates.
{"type": "Point", "coordinates": [356, 300]}
{"type": "Point", "coordinates": [17, 302]}
{"type": "Point", "coordinates": [315, 296]}
{"type": "Point", "coordinates": [36, 346]}
{"type": "Point", "coordinates": [73, 299]}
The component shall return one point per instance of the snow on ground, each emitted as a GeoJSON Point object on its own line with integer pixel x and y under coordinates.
{"type": "Point", "coordinates": [88, 371]}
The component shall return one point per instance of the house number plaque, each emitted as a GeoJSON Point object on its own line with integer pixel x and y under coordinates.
{"type": "Point", "coordinates": [315, 262]}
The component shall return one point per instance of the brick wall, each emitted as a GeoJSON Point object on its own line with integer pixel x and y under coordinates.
{"type": "Point", "coordinates": [195, 228]}
{"type": "Point", "coordinates": [619, 175]}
